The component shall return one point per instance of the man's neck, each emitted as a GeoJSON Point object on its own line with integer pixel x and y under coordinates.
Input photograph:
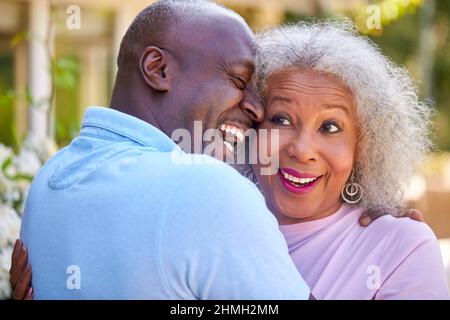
{"type": "Point", "coordinates": [128, 109]}
{"type": "Point", "coordinates": [126, 100]}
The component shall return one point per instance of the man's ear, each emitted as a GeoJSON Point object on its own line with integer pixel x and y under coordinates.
{"type": "Point", "coordinates": [154, 68]}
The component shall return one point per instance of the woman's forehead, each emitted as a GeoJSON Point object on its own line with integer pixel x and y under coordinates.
{"type": "Point", "coordinates": [309, 83]}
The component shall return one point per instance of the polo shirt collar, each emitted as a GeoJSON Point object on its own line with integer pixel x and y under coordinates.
{"type": "Point", "coordinates": [128, 126]}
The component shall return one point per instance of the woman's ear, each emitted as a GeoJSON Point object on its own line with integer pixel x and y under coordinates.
{"type": "Point", "coordinates": [154, 68]}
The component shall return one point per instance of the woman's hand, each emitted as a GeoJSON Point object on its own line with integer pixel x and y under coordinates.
{"type": "Point", "coordinates": [20, 273]}
{"type": "Point", "coordinates": [370, 215]}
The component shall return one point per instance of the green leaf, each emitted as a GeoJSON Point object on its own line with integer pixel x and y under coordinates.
{"type": "Point", "coordinates": [22, 176]}
{"type": "Point", "coordinates": [18, 176]}
{"type": "Point", "coordinates": [28, 96]}
{"type": "Point", "coordinates": [7, 98]}
{"type": "Point", "coordinates": [18, 38]}
{"type": "Point", "coordinates": [67, 64]}
{"type": "Point", "coordinates": [64, 72]}
{"type": "Point", "coordinates": [6, 164]}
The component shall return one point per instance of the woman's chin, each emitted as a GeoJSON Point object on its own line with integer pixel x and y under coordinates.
{"type": "Point", "coordinates": [293, 217]}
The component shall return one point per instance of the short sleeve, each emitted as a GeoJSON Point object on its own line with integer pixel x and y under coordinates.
{"type": "Point", "coordinates": [421, 275]}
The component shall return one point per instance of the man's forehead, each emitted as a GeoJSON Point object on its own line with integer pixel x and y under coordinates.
{"type": "Point", "coordinates": [237, 49]}
{"type": "Point", "coordinates": [227, 37]}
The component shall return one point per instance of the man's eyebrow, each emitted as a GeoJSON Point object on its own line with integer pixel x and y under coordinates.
{"type": "Point", "coordinates": [242, 63]}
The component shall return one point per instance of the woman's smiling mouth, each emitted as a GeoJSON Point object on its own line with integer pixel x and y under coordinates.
{"type": "Point", "coordinates": [297, 182]}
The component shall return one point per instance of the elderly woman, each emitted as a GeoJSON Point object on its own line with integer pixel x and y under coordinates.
{"type": "Point", "coordinates": [351, 133]}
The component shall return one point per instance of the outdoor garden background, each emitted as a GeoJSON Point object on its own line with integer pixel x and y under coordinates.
{"type": "Point", "coordinates": [58, 57]}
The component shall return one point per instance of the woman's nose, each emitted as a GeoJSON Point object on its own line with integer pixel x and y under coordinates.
{"type": "Point", "coordinates": [252, 106]}
{"type": "Point", "coordinates": [302, 147]}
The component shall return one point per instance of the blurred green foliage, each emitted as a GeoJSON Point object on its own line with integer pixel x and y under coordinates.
{"type": "Point", "coordinates": [67, 99]}
{"type": "Point", "coordinates": [441, 74]}
{"type": "Point", "coordinates": [65, 96]}
{"type": "Point", "coordinates": [7, 100]}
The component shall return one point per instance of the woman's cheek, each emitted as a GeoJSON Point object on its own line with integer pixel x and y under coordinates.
{"type": "Point", "coordinates": [340, 158]}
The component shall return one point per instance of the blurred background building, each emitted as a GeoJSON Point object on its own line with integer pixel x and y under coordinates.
{"type": "Point", "coordinates": [58, 56]}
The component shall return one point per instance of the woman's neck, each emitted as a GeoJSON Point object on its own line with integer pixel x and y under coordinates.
{"type": "Point", "coordinates": [320, 214]}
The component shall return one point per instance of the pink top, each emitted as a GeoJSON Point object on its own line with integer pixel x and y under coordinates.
{"type": "Point", "coordinates": [392, 258]}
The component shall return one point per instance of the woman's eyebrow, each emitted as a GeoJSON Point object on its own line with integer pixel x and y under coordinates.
{"type": "Point", "coordinates": [336, 106]}
{"type": "Point", "coordinates": [281, 99]}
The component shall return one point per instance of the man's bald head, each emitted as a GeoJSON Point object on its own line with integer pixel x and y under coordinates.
{"type": "Point", "coordinates": [156, 24]}
{"type": "Point", "coordinates": [183, 61]}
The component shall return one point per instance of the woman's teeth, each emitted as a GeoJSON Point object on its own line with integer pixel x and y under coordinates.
{"type": "Point", "coordinates": [296, 180]}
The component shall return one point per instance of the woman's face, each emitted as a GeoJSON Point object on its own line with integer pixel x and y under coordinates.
{"type": "Point", "coordinates": [314, 114]}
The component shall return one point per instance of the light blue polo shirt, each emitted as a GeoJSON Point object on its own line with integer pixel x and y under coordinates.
{"type": "Point", "coordinates": [114, 216]}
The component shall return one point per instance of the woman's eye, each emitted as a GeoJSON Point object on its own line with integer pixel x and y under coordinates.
{"type": "Point", "coordinates": [281, 120]}
{"type": "Point", "coordinates": [330, 127]}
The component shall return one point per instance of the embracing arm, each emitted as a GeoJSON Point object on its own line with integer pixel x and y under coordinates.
{"type": "Point", "coordinates": [221, 242]}
{"type": "Point", "coordinates": [372, 214]}
{"type": "Point", "coordinates": [21, 271]}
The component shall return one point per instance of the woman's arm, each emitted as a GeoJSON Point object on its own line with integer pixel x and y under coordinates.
{"type": "Point", "coordinates": [20, 273]}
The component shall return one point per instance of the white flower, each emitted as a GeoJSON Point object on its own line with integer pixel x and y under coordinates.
{"type": "Point", "coordinates": [5, 259]}
{"type": "Point", "coordinates": [5, 153]}
{"type": "Point", "coordinates": [44, 148]}
{"type": "Point", "coordinates": [5, 288]}
{"type": "Point", "coordinates": [13, 191]}
{"type": "Point", "coordinates": [27, 162]}
{"type": "Point", "coordinates": [10, 171]}
{"type": "Point", "coordinates": [9, 226]}
{"type": "Point", "coordinates": [5, 264]}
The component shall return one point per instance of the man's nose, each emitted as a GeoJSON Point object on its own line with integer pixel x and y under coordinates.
{"type": "Point", "coordinates": [252, 106]}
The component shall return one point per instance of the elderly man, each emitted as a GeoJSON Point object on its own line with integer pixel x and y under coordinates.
{"type": "Point", "coordinates": [113, 216]}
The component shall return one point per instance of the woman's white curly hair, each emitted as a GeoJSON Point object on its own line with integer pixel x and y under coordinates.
{"type": "Point", "coordinates": [393, 125]}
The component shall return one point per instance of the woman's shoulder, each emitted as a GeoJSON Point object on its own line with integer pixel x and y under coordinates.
{"type": "Point", "coordinates": [403, 230]}
{"type": "Point", "coordinates": [391, 225]}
